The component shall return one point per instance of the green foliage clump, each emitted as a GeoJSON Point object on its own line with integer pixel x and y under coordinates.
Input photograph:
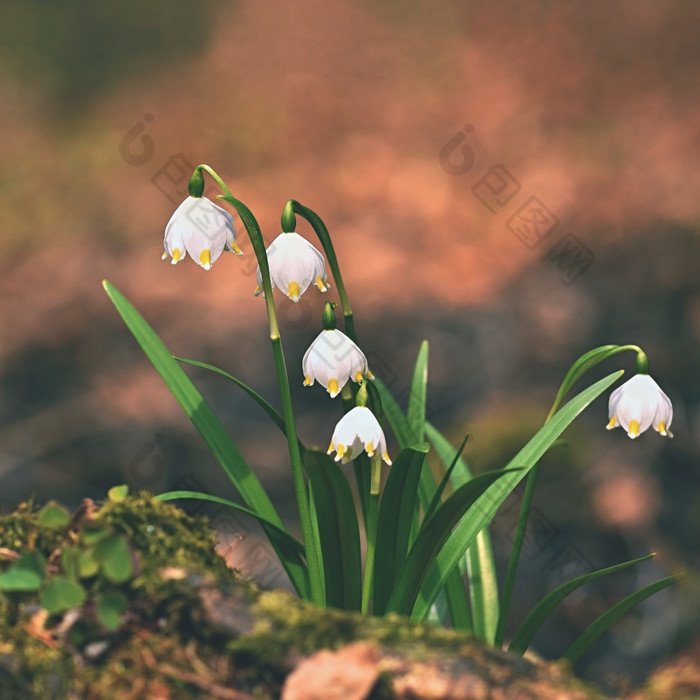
{"type": "Point", "coordinates": [73, 586]}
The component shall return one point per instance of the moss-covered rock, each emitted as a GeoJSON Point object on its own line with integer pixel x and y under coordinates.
{"type": "Point", "coordinates": [185, 626]}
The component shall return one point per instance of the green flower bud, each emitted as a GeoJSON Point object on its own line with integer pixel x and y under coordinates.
{"type": "Point", "coordinates": [289, 219]}
{"type": "Point", "coordinates": [196, 184]}
{"type": "Point", "coordinates": [642, 363]}
{"type": "Point", "coordinates": [361, 396]}
{"type": "Point", "coordinates": [329, 316]}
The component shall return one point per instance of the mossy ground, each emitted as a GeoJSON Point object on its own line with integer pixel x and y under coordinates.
{"type": "Point", "coordinates": [192, 629]}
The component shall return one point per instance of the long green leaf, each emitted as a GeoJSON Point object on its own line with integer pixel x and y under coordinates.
{"type": "Point", "coordinates": [483, 587]}
{"type": "Point", "coordinates": [395, 416]}
{"type": "Point", "coordinates": [211, 430]}
{"type": "Point", "coordinates": [450, 467]}
{"type": "Point", "coordinates": [415, 414]}
{"type": "Point", "coordinates": [431, 537]}
{"type": "Point", "coordinates": [283, 535]}
{"type": "Point", "coordinates": [523, 637]}
{"type": "Point", "coordinates": [600, 624]}
{"type": "Point", "coordinates": [338, 530]}
{"type": "Point", "coordinates": [483, 579]}
{"type": "Point", "coordinates": [394, 523]}
{"type": "Point", "coordinates": [426, 491]}
{"type": "Point", "coordinates": [363, 473]}
{"type": "Point", "coordinates": [457, 603]}
{"type": "Point", "coordinates": [486, 506]}
{"type": "Point", "coordinates": [271, 411]}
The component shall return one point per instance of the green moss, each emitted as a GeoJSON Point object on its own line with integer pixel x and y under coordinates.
{"type": "Point", "coordinates": [285, 624]}
{"type": "Point", "coordinates": [166, 548]}
{"type": "Point", "coordinates": [189, 628]}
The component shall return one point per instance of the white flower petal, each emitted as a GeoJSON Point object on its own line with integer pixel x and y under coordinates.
{"type": "Point", "coordinates": [294, 264]}
{"type": "Point", "coordinates": [202, 229]}
{"type": "Point", "coordinates": [639, 404]}
{"type": "Point", "coordinates": [357, 429]}
{"type": "Point", "coordinates": [333, 356]}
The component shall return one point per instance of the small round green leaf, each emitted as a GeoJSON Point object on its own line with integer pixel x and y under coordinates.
{"type": "Point", "coordinates": [87, 564]}
{"type": "Point", "coordinates": [115, 559]}
{"type": "Point", "coordinates": [26, 574]}
{"type": "Point", "coordinates": [117, 494]}
{"type": "Point", "coordinates": [94, 536]}
{"type": "Point", "coordinates": [69, 561]}
{"type": "Point", "coordinates": [54, 515]}
{"type": "Point", "coordinates": [61, 594]}
{"type": "Point", "coordinates": [110, 607]}
{"type": "Point", "coordinates": [19, 580]}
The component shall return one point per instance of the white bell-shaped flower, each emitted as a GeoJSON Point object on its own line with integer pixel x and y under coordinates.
{"type": "Point", "coordinates": [202, 229]}
{"type": "Point", "coordinates": [294, 265]}
{"type": "Point", "coordinates": [333, 359]}
{"type": "Point", "coordinates": [638, 404]}
{"type": "Point", "coordinates": [357, 431]}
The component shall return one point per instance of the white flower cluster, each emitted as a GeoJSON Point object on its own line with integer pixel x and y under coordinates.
{"type": "Point", "coordinates": [204, 230]}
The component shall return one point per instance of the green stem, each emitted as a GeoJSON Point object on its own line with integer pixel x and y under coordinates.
{"type": "Point", "coordinates": [322, 232]}
{"type": "Point", "coordinates": [576, 371]}
{"type": "Point", "coordinates": [310, 543]}
{"type": "Point", "coordinates": [582, 365]}
{"type": "Point", "coordinates": [372, 513]}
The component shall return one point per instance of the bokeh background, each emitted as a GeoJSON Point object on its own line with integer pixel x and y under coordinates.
{"type": "Point", "coordinates": [420, 132]}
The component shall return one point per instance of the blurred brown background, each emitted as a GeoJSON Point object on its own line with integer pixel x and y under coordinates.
{"type": "Point", "coordinates": [516, 182]}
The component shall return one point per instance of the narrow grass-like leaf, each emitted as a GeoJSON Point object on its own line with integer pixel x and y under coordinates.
{"type": "Point", "coordinates": [427, 486]}
{"type": "Point", "coordinates": [394, 523]}
{"type": "Point", "coordinates": [523, 637]}
{"type": "Point", "coordinates": [313, 517]}
{"type": "Point", "coordinates": [338, 530]}
{"type": "Point", "coordinates": [483, 587]}
{"type": "Point", "coordinates": [394, 415]}
{"type": "Point", "coordinates": [271, 411]}
{"type": "Point", "coordinates": [486, 506]}
{"type": "Point", "coordinates": [600, 624]}
{"type": "Point", "coordinates": [363, 474]}
{"type": "Point", "coordinates": [587, 361]}
{"type": "Point", "coordinates": [437, 496]}
{"type": "Point", "coordinates": [415, 414]}
{"type": "Point", "coordinates": [457, 603]}
{"type": "Point", "coordinates": [284, 539]}
{"type": "Point", "coordinates": [431, 537]}
{"type": "Point", "coordinates": [483, 579]}
{"type": "Point", "coordinates": [211, 430]}
{"type": "Point", "coordinates": [196, 408]}
{"type": "Point", "coordinates": [374, 401]}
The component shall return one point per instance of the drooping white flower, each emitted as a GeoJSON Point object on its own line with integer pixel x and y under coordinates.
{"type": "Point", "coordinates": [638, 404]}
{"type": "Point", "coordinates": [202, 229]}
{"type": "Point", "coordinates": [294, 265]}
{"type": "Point", "coordinates": [333, 359]}
{"type": "Point", "coordinates": [357, 431]}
